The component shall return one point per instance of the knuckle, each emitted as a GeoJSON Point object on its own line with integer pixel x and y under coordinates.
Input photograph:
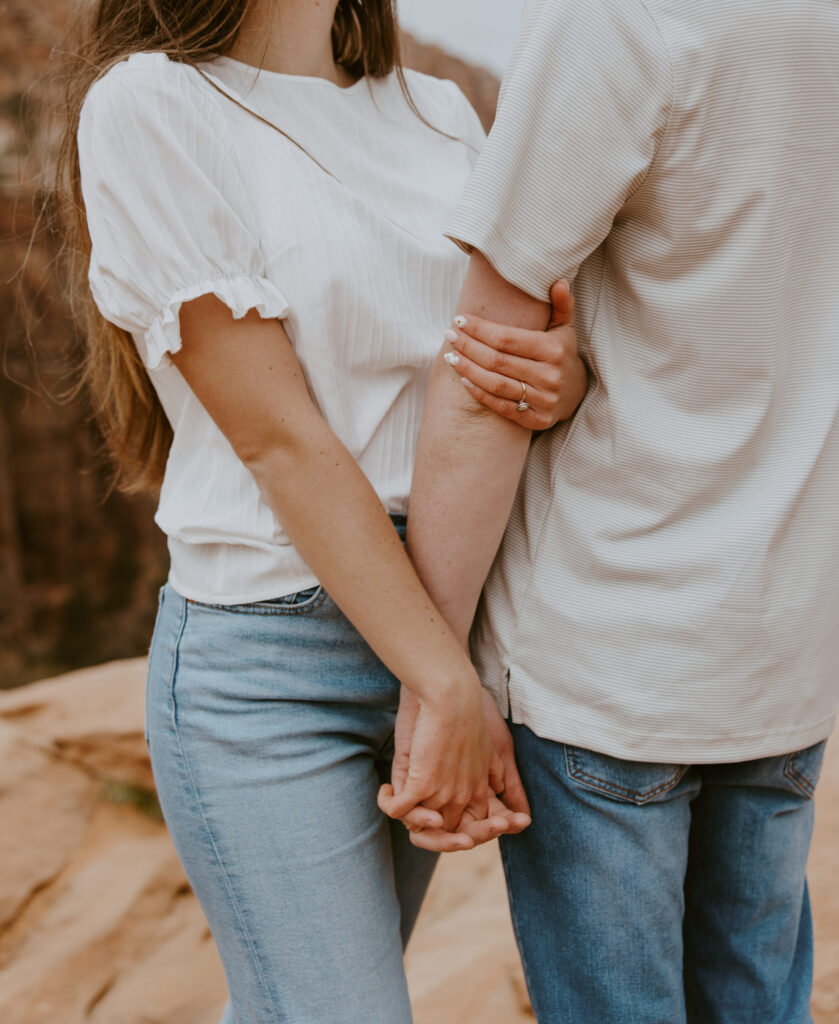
{"type": "Point", "coordinates": [498, 362]}
{"type": "Point", "coordinates": [553, 377]}
{"type": "Point", "coordinates": [567, 341]}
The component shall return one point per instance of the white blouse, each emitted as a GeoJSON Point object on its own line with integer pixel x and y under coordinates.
{"type": "Point", "coordinates": [187, 194]}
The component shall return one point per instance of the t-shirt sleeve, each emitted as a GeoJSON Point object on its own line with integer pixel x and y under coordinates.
{"type": "Point", "coordinates": [167, 210]}
{"type": "Point", "coordinates": [583, 107]}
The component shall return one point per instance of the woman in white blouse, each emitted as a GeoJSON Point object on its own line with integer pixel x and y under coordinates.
{"type": "Point", "coordinates": [272, 282]}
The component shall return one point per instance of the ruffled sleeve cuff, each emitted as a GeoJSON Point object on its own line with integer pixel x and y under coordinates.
{"type": "Point", "coordinates": [240, 294]}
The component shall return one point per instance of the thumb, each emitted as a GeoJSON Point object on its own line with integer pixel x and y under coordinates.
{"type": "Point", "coordinates": [496, 773]}
{"type": "Point", "coordinates": [562, 305]}
{"type": "Point", "coordinates": [397, 805]}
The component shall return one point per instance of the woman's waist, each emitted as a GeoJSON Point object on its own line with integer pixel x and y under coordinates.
{"type": "Point", "coordinates": [231, 570]}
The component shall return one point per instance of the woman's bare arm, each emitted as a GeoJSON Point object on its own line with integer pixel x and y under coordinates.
{"type": "Point", "coordinates": [247, 376]}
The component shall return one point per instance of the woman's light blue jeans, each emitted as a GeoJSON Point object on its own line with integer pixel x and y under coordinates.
{"type": "Point", "coordinates": [270, 729]}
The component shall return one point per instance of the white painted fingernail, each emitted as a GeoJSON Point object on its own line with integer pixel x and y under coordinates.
{"type": "Point", "coordinates": [466, 383]}
{"type": "Point", "coordinates": [452, 358]}
{"type": "Point", "coordinates": [460, 321]}
{"type": "Point", "coordinates": [451, 336]}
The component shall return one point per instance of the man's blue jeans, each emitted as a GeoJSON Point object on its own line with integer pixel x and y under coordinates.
{"type": "Point", "coordinates": [663, 894]}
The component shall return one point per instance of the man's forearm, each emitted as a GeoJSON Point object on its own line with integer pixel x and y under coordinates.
{"type": "Point", "coordinates": [469, 461]}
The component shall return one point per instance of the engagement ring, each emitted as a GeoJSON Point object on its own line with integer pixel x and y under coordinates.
{"type": "Point", "coordinates": [523, 404]}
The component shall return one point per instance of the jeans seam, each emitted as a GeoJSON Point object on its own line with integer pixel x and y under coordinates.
{"type": "Point", "coordinates": [612, 789]}
{"type": "Point", "coordinates": [253, 955]}
{"type": "Point", "coordinates": [531, 989]}
{"type": "Point", "coordinates": [797, 778]}
{"type": "Point", "coordinates": [161, 598]}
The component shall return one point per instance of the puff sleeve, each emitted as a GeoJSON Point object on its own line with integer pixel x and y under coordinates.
{"type": "Point", "coordinates": [167, 209]}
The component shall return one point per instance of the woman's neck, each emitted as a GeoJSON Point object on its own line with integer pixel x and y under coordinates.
{"type": "Point", "coordinates": [293, 37]}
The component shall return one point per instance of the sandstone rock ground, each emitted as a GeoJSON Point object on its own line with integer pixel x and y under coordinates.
{"type": "Point", "coordinates": [98, 924]}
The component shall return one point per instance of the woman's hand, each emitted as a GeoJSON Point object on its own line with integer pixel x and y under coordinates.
{"type": "Point", "coordinates": [451, 760]}
{"type": "Point", "coordinates": [533, 378]}
{"type": "Point", "coordinates": [509, 816]}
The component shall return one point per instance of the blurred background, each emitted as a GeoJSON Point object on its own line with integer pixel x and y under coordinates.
{"type": "Point", "coordinates": [479, 31]}
{"type": "Point", "coordinates": [80, 565]}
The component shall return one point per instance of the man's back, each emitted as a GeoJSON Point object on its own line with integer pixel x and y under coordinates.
{"type": "Point", "coordinates": [671, 575]}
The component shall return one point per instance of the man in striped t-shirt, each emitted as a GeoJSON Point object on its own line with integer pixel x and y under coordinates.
{"type": "Point", "coordinates": [661, 623]}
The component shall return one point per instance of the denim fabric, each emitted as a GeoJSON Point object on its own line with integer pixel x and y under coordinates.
{"type": "Point", "coordinates": [663, 893]}
{"type": "Point", "coordinates": [270, 728]}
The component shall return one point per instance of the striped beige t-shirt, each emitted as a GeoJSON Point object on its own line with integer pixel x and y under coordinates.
{"type": "Point", "coordinates": [668, 588]}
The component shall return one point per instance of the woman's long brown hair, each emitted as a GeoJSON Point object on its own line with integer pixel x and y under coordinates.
{"type": "Point", "coordinates": [365, 41]}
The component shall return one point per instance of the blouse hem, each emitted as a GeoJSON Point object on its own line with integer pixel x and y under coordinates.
{"type": "Point", "coordinates": [285, 589]}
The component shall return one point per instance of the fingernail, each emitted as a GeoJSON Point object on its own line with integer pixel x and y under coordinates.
{"type": "Point", "coordinates": [466, 383]}
{"type": "Point", "coordinates": [460, 321]}
{"type": "Point", "coordinates": [452, 358]}
{"type": "Point", "coordinates": [451, 336]}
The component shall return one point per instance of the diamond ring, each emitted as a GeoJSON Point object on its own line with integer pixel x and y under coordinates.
{"type": "Point", "coordinates": [523, 405]}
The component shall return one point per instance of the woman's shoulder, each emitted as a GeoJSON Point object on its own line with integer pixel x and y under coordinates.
{"type": "Point", "coordinates": [441, 91]}
{"type": "Point", "coordinates": [445, 105]}
{"type": "Point", "coordinates": [148, 85]}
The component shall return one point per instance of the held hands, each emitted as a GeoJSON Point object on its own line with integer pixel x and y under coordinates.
{"type": "Point", "coordinates": [445, 760]}
{"type": "Point", "coordinates": [494, 361]}
{"type": "Point", "coordinates": [480, 820]}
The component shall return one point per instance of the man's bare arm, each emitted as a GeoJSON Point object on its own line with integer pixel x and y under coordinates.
{"type": "Point", "coordinates": [469, 461]}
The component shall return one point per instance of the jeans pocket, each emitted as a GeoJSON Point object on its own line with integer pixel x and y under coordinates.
{"type": "Point", "coordinates": [631, 782]}
{"type": "Point", "coordinates": [298, 602]}
{"type": "Point", "coordinates": [803, 768]}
